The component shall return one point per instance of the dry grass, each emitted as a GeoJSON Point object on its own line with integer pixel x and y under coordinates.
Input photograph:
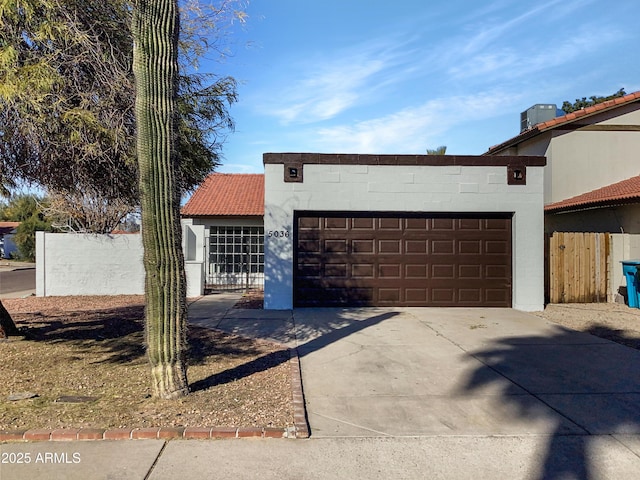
{"type": "Point", "coordinates": [93, 347]}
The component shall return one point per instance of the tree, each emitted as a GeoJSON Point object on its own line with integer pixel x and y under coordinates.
{"type": "Point", "coordinates": [155, 67]}
{"type": "Point", "coordinates": [441, 150]}
{"type": "Point", "coordinates": [29, 211]}
{"type": "Point", "coordinates": [67, 118]}
{"type": "Point", "coordinates": [568, 107]}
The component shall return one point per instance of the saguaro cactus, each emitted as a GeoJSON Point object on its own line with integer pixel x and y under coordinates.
{"type": "Point", "coordinates": [155, 53]}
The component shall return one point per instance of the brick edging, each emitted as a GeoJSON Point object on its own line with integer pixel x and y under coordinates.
{"type": "Point", "coordinates": [301, 425]}
{"type": "Point", "coordinates": [299, 430]}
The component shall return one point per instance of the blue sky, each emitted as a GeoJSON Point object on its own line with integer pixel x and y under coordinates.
{"type": "Point", "coordinates": [373, 76]}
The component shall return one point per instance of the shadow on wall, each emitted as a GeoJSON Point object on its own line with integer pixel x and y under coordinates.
{"type": "Point", "coordinates": [278, 257]}
{"type": "Point", "coordinates": [583, 391]}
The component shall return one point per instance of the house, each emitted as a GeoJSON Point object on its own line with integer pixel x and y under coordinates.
{"type": "Point", "coordinates": [7, 246]}
{"type": "Point", "coordinates": [374, 230]}
{"type": "Point", "coordinates": [591, 184]}
{"type": "Point", "coordinates": [592, 160]}
{"type": "Point", "coordinates": [227, 211]}
{"type": "Point", "coordinates": [614, 208]}
{"type": "Point", "coordinates": [406, 230]}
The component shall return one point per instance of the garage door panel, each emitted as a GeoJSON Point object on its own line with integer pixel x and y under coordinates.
{"type": "Point", "coordinates": [336, 223]}
{"type": "Point", "coordinates": [390, 271]}
{"type": "Point", "coordinates": [390, 224]}
{"type": "Point", "coordinates": [470, 296]}
{"type": "Point", "coordinates": [390, 246]}
{"type": "Point", "coordinates": [443, 272]}
{"type": "Point", "coordinates": [363, 224]}
{"type": "Point", "coordinates": [443, 247]}
{"type": "Point", "coordinates": [470, 247]}
{"type": "Point", "coordinates": [335, 245]}
{"type": "Point", "coordinates": [416, 246]}
{"type": "Point", "coordinates": [419, 224]}
{"type": "Point", "coordinates": [442, 224]}
{"type": "Point", "coordinates": [414, 260]}
{"type": "Point", "coordinates": [363, 246]}
{"type": "Point", "coordinates": [363, 271]}
{"type": "Point", "coordinates": [416, 271]}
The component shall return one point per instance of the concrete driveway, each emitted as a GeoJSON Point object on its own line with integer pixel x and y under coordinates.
{"type": "Point", "coordinates": [422, 372]}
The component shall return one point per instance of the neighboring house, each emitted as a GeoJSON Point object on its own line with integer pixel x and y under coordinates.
{"type": "Point", "coordinates": [229, 208]}
{"type": "Point", "coordinates": [591, 184]}
{"type": "Point", "coordinates": [614, 209]}
{"type": "Point", "coordinates": [595, 149]}
{"type": "Point", "coordinates": [7, 246]}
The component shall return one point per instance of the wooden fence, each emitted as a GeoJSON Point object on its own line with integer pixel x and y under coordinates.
{"type": "Point", "coordinates": [577, 267]}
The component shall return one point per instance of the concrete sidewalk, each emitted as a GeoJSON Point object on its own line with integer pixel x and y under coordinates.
{"type": "Point", "coordinates": [404, 393]}
{"type": "Point", "coordinates": [372, 458]}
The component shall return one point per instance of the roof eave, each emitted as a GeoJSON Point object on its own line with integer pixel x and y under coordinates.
{"type": "Point", "coordinates": [594, 205]}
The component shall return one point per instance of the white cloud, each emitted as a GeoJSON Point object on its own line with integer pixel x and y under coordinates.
{"type": "Point", "coordinates": [413, 129]}
{"type": "Point", "coordinates": [323, 89]}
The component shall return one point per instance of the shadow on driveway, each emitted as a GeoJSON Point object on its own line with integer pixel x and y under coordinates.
{"type": "Point", "coordinates": [596, 386]}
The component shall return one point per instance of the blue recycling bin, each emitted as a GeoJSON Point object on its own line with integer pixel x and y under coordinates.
{"type": "Point", "coordinates": [630, 270]}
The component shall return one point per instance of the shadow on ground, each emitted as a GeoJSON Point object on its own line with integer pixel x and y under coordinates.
{"type": "Point", "coordinates": [119, 334]}
{"type": "Point", "coordinates": [595, 386]}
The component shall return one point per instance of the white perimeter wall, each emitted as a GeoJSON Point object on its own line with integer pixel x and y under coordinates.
{"type": "Point", "coordinates": [86, 264]}
{"type": "Point", "coordinates": [406, 189]}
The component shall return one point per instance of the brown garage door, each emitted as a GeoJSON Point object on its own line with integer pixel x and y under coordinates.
{"type": "Point", "coordinates": [349, 259]}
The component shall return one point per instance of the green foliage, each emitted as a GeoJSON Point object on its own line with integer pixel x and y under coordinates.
{"type": "Point", "coordinates": [568, 107]}
{"type": "Point", "coordinates": [27, 209]}
{"type": "Point", "coordinates": [441, 150]}
{"type": "Point", "coordinates": [67, 95]}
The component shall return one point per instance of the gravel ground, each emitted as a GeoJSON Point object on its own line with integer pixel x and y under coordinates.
{"type": "Point", "coordinates": [83, 360]}
{"type": "Point", "coordinates": [613, 321]}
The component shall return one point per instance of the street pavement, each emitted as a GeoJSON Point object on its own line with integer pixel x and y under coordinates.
{"type": "Point", "coordinates": [405, 393]}
{"type": "Point", "coordinates": [17, 279]}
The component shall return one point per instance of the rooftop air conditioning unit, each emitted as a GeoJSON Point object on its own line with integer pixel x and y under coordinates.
{"type": "Point", "coordinates": [540, 112]}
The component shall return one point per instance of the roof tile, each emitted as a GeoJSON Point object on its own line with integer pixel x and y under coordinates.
{"type": "Point", "coordinates": [569, 117]}
{"type": "Point", "coordinates": [227, 194]}
{"type": "Point", "coordinates": [622, 191]}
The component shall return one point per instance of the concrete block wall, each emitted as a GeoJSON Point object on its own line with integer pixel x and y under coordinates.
{"type": "Point", "coordinates": [79, 264]}
{"type": "Point", "coordinates": [405, 188]}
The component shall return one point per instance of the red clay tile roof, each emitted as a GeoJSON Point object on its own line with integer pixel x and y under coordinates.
{"type": "Point", "coordinates": [626, 191]}
{"type": "Point", "coordinates": [8, 227]}
{"type": "Point", "coordinates": [227, 194]}
{"type": "Point", "coordinates": [568, 118]}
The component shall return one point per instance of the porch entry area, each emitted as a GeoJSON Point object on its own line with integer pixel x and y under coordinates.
{"type": "Point", "coordinates": [235, 257]}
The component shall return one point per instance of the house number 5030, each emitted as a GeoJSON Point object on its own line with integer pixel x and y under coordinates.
{"type": "Point", "coordinates": [279, 233]}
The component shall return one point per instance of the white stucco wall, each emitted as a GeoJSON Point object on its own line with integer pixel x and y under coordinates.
{"type": "Point", "coordinates": [405, 188]}
{"type": "Point", "coordinates": [78, 264]}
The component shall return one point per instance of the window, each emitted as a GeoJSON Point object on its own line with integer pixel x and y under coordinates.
{"type": "Point", "coordinates": [236, 249]}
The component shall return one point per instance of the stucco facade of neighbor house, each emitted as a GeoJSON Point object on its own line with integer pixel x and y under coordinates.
{"type": "Point", "coordinates": [223, 233]}
{"type": "Point", "coordinates": [403, 230]}
{"type": "Point", "coordinates": [586, 150]}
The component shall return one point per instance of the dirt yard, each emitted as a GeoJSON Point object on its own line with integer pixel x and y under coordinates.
{"type": "Point", "coordinates": [612, 321]}
{"type": "Point", "coordinates": [83, 361]}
